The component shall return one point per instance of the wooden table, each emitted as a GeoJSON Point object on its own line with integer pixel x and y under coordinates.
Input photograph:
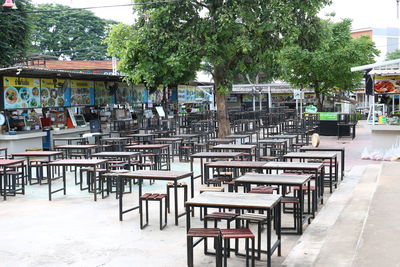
{"type": "Point", "coordinates": [211, 155]}
{"type": "Point", "coordinates": [316, 168]}
{"type": "Point", "coordinates": [265, 143]}
{"type": "Point", "coordinates": [247, 166]}
{"type": "Point", "coordinates": [50, 155]}
{"type": "Point", "coordinates": [141, 175]}
{"type": "Point", "coordinates": [127, 156]}
{"type": "Point", "coordinates": [331, 156]}
{"type": "Point", "coordinates": [283, 180]}
{"type": "Point", "coordinates": [329, 149]}
{"type": "Point", "coordinates": [93, 163]}
{"type": "Point", "coordinates": [172, 141]}
{"type": "Point", "coordinates": [241, 137]}
{"type": "Point", "coordinates": [215, 142]}
{"type": "Point", "coordinates": [292, 138]}
{"type": "Point", "coordinates": [117, 143]}
{"type": "Point", "coordinates": [4, 164]}
{"type": "Point", "coordinates": [160, 151]}
{"type": "Point", "coordinates": [144, 138]}
{"type": "Point", "coordinates": [239, 201]}
{"type": "Point", "coordinates": [69, 140]}
{"type": "Point", "coordinates": [86, 149]}
{"type": "Point", "coordinates": [249, 149]}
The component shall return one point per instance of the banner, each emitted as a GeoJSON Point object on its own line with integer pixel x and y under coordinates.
{"type": "Point", "coordinates": [52, 93]}
{"type": "Point", "coordinates": [82, 93]}
{"type": "Point", "coordinates": [21, 92]}
{"type": "Point", "coordinates": [387, 84]}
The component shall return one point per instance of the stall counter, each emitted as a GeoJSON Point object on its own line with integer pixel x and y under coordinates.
{"type": "Point", "coordinates": [20, 142]}
{"type": "Point", "coordinates": [72, 132]}
{"type": "Point", "coordinates": [384, 136]}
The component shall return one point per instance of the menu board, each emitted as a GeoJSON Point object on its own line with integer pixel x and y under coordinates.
{"type": "Point", "coordinates": [124, 94]}
{"type": "Point", "coordinates": [102, 93]}
{"type": "Point", "coordinates": [82, 93]}
{"type": "Point", "coordinates": [21, 92]}
{"type": "Point", "coordinates": [387, 84]}
{"type": "Point", "coordinates": [190, 93]}
{"type": "Point", "coordinates": [138, 94]}
{"type": "Point", "coordinates": [52, 93]}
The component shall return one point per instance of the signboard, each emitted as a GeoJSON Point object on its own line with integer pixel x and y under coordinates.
{"type": "Point", "coordinates": [297, 94]}
{"type": "Point", "coordinates": [311, 109]}
{"type": "Point", "coordinates": [102, 94]}
{"type": "Point", "coordinates": [124, 94]}
{"type": "Point", "coordinates": [387, 84]}
{"type": "Point", "coordinates": [138, 94]}
{"type": "Point", "coordinates": [328, 116]}
{"type": "Point", "coordinates": [82, 93]}
{"type": "Point", "coordinates": [160, 111]}
{"type": "Point", "coordinates": [21, 92]}
{"type": "Point", "coordinates": [52, 93]}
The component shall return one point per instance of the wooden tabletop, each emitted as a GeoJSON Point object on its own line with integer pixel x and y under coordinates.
{"type": "Point", "coordinates": [76, 146]}
{"type": "Point", "coordinates": [168, 139]}
{"type": "Point", "coordinates": [311, 155]}
{"type": "Point", "coordinates": [236, 164]}
{"type": "Point", "coordinates": [149, 146]}
{"type": "Point", "coordinates": [142, 135]}
{"type": "Point", "coordinates": [37, 153]}
{"type": "Point", "coordinates": [78, 162]}
{"type": "Point", "coordinates": [69, 138]}
{"type": "Point", "coordinates": [293, 165]}
{"type": "Point", "coordinates": [115, 154]}
{"type": "Point", "coordinates": [186, 135]}
{"type": "Point", "coordinates": [283, 136]}
{"type": "Point", "coordinates": [7, 162]}
{"type": "Point", "coordinates": [227, 141]}
{"type": "Point", "coordinates": [272, 141]}
{"type": "Point", "coordinates": [216, 155]}
{"type": "Point", "coordinates": [275, 179]}
{"type": "Point", "coordinates": [232, 146]}
{"type": "Point", "coordinates": [322, 148]}
{"type": "Point", "coordinates": [235, 200]}
{"type": "Point", "coordinates": [238, 136]}
{"type": "Point", "coordinates": [152, 174]}
{"type": "Point", "coordinates": [115, 139]}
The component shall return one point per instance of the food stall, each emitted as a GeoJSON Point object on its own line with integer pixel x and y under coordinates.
{"type": "Point", "coordinates": [384, 96]}
{"type": "Point", "coordinates": [38, 104]}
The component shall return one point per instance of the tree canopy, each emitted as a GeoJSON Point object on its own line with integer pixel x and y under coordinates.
{"type": "Point", "coordinates": [326, 68]}
{"type": "Point", "coordinates": [14, 33]}
{"type": "Point", "coordinates": [393, 55]}
{"type": "Point", "coordinates": [73, 34]}
{"type": "Point", "coordinates": [170, 40]}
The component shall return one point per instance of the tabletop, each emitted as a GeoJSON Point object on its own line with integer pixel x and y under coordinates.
{"type": "Point", "coordinates": [150, 146]}
{"type": "Point", "coordinates": [115, 154]}
{"type": "Point", "coordinates": [235, 200]}
{"type": "Point", "coordinates": [76, 146]}
{"type": "Point", "coordinates": [77, 162]}
{"type": "Point", "coordinates": [6, 162]}
{"type": "Point", "coordinates": [37, 153]}
{"type": "Point", "coordinates": [232, 146]}
{"type": "Point", "coordinates": [186, 135]}
{"type": "Point", "coordinates": [293, 165]}
{"type": "Point", "coordinates": [276, 179]}
{"type": "Point", "coordinates": [272, 141]}
{"type": "Point", "coordinates": [69, 138]}
{"type": "Point", "coordinates": [115, 139]}
{"type": "Point", "coordinates": [236, 164]}
{"type": "Point", "coordinates": [142, 135]}
{"type": "Point", "coordinates": [322, 148]}
{"type": "Point", "coordinates": [168, 139]}
{"type": "Point", "coordinates": [310, 155]}
{"type": "Point", "coordinates": [238, 136]}
{"type": "Point", "coordinates": [283, 136]}
{"type": "Point", "coordinates": [216, 155]}
{"type": "Point", "coordinates": [152, 174]}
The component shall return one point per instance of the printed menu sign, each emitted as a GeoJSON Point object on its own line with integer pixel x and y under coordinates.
{"type": "Point", "coordinates": [21, 92]}
{"type": "Point", "coordinates": [52, 93]}
{"type": "Point", "coordinates": [387, 84]}
{"type": "Point", "coordinates": [81, 92]}
{"type": "Point", "coordinates": [103, 96]}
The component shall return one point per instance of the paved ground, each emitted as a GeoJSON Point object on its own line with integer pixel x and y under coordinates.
{"type": "Point", "coordinates": [74, 230]}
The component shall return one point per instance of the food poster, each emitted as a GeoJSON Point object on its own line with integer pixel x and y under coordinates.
{"type": "Point", "coordinates": [102, 94]}
{"type": "Point", "coordinates": [138, 94]}
{"type": "Point", "coordinates": [387, 84]}
{"type": "Point", "coordinates": [182, 93]}
{"type": "Point", "coordinates": [53, 93]}
{"type": "Point", "coordinates": [82, 93]}
{"type": "Point", "coordinates": [124, 94]}
{"type": "Point", "coordinates": [157, 96]}
{"type": "Point", "coordinates": [21, 92]}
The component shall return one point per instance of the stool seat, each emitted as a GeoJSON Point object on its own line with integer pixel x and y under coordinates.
{"type": "Point", "coordinates": [179, 184]}
{"type": "Point", "coordinates": [305, 188]}
{"type": "Point", "coordinates": [263, 189]}
{"type": "Point", "coordinates": [204, 232]}
{"type": "Point", "coordinates": [236, 233]}
{"type": "Point", "coordinates": [290, 200]}
{"type": "Point", "coordinates": [153, 196]}
{"type": "Point", "coordinates": [253, 217]}
{"type": "Point", "coordinates": [221, 216]}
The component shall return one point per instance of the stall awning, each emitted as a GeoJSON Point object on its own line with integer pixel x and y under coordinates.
{"type": "Point", "coordinates": [390, 66]}
{"type": "Point", "coordinates": [384, 72]}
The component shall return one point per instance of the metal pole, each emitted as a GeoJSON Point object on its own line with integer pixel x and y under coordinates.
{"type": "Point", "coordinates": [260, 101]}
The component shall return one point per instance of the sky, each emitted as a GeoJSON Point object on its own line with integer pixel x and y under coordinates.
{"type": "Point", "coordinates": [364, 13]}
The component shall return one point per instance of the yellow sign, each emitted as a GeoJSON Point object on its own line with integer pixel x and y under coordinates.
{"type": "Point", "coordinates": [380, 77]}
{"type": "Point", "coordinates": [21, 82]}
{"type": "Point", "coordinates": [81, 84]}
{"type": "Point", "coordinates": [100, 85]}
{"type": "Point", "coordinates": [51, 83]}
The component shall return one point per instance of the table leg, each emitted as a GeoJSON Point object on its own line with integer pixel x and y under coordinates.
{"type": "Point", "coordinates": [94, 183]}
{"type": "Point", "coordinates": [120, 185]}
{"type": "Point", "coordinates": [49, 176]}
{"type": "Point", "coordinates": [300, 220]}
{"type": "Point", "coordinates": [269, 252]}
{"type": "Point", "coordinates": [342, 159]}
{"type": "Point", "coordinates": [330, 176]}
{"type": "Point", "coordinates": [176, 201]}
{"type": "Point", "coordinates": [64, 181]}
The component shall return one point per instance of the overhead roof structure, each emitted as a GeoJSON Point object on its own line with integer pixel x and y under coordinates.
{"type": "Point", "coordinates": [276, 87]}
{"type": "Point", "coordinates": [390, 67]}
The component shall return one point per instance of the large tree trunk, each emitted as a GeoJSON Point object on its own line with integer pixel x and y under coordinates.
{"type": "Point", "coordinates": [320, 102]}
{"type": "Point", "coordinates": [224, 128]}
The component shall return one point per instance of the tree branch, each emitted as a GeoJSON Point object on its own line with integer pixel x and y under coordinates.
{"type": "Point", "coordinates": [199, 4]}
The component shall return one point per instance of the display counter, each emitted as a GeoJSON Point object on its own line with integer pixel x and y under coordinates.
{"type": "Point", "coordinates": [384, 136]}
{"type": "Point", "coordinates": [21, 141]}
